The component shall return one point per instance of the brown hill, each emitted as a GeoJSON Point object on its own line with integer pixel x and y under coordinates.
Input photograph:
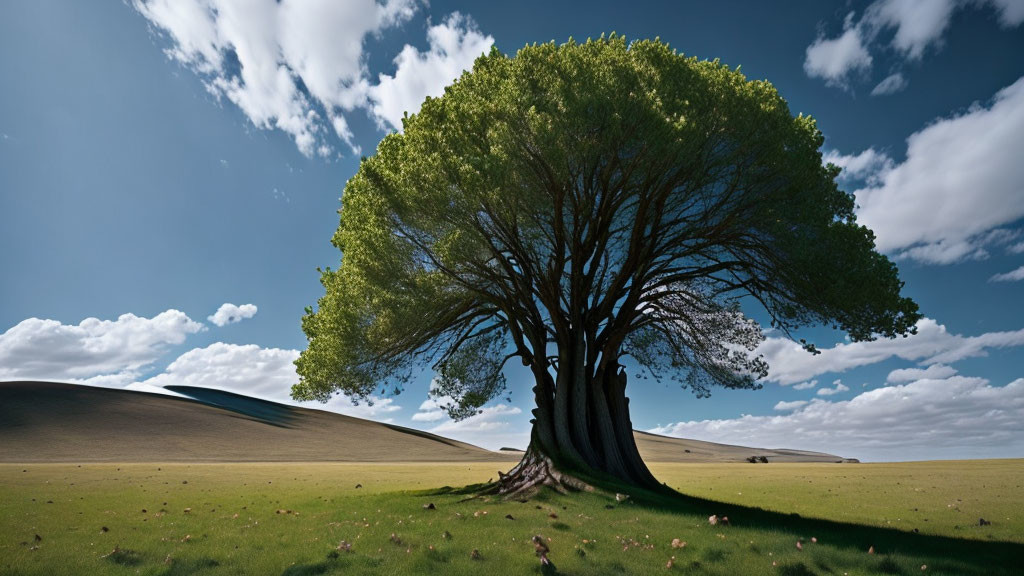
{"type": "Point", "coordinates": [51, 422]}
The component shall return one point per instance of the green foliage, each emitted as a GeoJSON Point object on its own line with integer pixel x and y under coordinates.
{"type": "Point", "coordinates": [613, 188]}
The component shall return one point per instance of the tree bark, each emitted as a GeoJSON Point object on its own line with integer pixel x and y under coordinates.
{"type": "Point", "coordinates": [609, 442]}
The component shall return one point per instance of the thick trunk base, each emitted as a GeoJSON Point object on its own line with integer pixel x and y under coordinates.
{"type": "Point", "coordinates": [534, 472]}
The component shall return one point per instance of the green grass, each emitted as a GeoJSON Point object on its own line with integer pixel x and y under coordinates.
{"type": "Point", "coordinates": [289, 519]}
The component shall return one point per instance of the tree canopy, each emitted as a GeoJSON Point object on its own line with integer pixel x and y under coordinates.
{"type": "Point", "coordinates": [578, 203]}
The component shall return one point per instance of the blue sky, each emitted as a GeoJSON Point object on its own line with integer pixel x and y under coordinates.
{"type": "Point", "coordinates": [160, 159]}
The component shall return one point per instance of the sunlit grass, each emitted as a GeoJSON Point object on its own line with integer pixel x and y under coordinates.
{"type": "Point", "coordinates": [291, 518]}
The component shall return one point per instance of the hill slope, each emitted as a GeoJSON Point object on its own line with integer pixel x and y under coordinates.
{"type": "Point", "coordinates": [41, 421]}
{"type": "Point", "coordinates": [50, 422]}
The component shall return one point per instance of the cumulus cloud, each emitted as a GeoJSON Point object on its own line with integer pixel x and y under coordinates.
{"type": "Point", "coordinates": [300, 66]}
{"type": "Point", "coordinates": [839, 388]}
{"type": "Point", "coordinates": [228, 313]}
{"type": "Point", "coordinates": [494, 426]}
{"type": "Point", "coordinates": [1011, 276]}
{"type": "Point", "coordinates": [787, 406]}
{"type": "Point", "coordinates": [933, 344]}
{"type": "Point", "coordinates": [102, 352]}
{"type": "Point", "coordinates": [266, 373]}
{"type": "Point", "coordinates": [956, 417]}
{"type": "Point", "coordinates": [869, 166]}
{"type": "Point", "coordinates": [835, 59]}
{"type": "Point", "coordinates": [891, 84]}
{"type": "Point", "coordinates": [935, 371]}
{"type": "Point", "coordinates": [947, 202]}
{"type": "Point", "coordinates": [805, 385]}
{"type": "Point", "coordinates": [454, 45]}
{"type": "Point", "coordinates": [917, 26]}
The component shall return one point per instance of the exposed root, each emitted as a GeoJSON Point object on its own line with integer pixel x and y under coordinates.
{"type": "Point", "coordinates": [534, 471]}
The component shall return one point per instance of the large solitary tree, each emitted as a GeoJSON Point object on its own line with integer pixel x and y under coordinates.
{"type": "Point", "coordinates": [572, 206]}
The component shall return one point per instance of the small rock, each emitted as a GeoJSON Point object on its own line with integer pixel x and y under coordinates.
{"type": "Point", "coordinates": [429, 506]}
{"type": "Point", "coordinates": [553, 515]}
{"type": "Point", "coordinates": [475, 554]}
{"type": "Point", "coordinates": [345, 546]}
{"type": "Point", "coordinates": [871, 550]}
{"type": "Point", "coordinates": [713, 519]}
{"type": "Point", "coordinates": [677, 543]}
{"type": "Point", "coordinates": [447, 535]}
{"type": "Point", "coordinates": [104, 529]}
{"type": "Point", "coordinates": [509, 516]}
{"type": "Point", "coordinates": [813, 539]}
{"type": "Point", "coordinates": [38, 538]}
{"type": "Point", "coordinates": [621, 497]}
{"type": "Point", "coordinates": [670, 563]}
{"type": "Point", "coordinates": [359, 486]}
{"type": "Point", "coordinates": [184, 481]}
{"type": "Point", "coordinates": [983, 522]}
{"type": "Point", "coordinates": [799, 545]}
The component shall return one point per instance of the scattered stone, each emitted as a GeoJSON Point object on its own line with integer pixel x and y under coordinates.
{"type": "Point", "coordinates": [429, 506]}
{"type": "Point", "coordinates": [395, 539]}
{"type": "Point", "coordinates": [509, 516]}
{"type": "Point", "coordinates": [359, 486]}
{"type": "Point", "coordinates": [924, 567]}
{"type": "Point", "coordinates": [713, 519]}
{"type": "Point", "coordinates": [38, 538]}
{"type": "Point", "coordinates": [621, 497]}
{"type": "Point", "coordinates": [104, 529]}
{"type": "Point", "coordinates": [553, 515]}
{"type": "Point", "coordinates": [447, 535]}
{"type": "Point", "coordinates": [672, 560]}
{"type": "Point", "coordinates": [188, 510]}
{"type": "Point", "coordinates": [541, 549]}
{"type": "Point", "coordinates": [799, 545]}
{"type": "Point", "coordinates": [871, 550]}
{"type": "Point", "coordinates": [677, 543]}
{"type": "Point", "coordinates": [983, 522]}
{"type": "Point", "coordinates": [345, 546]}
{"type": "Point", "coordinates": [184, 481]}
{"type": "Point", "coordinates": [475, 554]}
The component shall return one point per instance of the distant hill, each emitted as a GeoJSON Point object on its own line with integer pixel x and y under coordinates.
{"type": "Point", "coordinates": [52, 422]}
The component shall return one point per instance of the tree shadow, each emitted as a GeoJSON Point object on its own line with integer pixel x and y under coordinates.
{"type": "Point", "coordinates": [957, 555]}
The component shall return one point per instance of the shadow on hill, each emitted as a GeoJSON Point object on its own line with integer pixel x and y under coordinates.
{"type": "Point", "coordinates": [267, 412]}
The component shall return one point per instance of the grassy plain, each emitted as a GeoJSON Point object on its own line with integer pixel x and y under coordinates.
{"type": "Point", "coordinates": [289, 518]}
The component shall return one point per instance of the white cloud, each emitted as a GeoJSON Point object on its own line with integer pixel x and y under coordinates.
{"type": "Point", "coordinates": [787, 406]}
{"type": "Point", "coordinates": [1017, 248]}
{"type": "Point", "coordinates": [869, 166]}
{"type": "Point", "coordinates": [789, 363]}
{"type": "Point", "coordinates": [956, 417]}
{"type": "Point", "coordinates": [917, 25]}
{"type": "Point", "coordinates": [230, 314]}
{"type": "Point", "coordinates": [107, 351]}
{"type": "Point", "coordinates": [891, 84]}
{"type": "Point", "coordinates": [935, 371]}
{"type": "Point", "coordinates": [1011, 276]}
{"type": "Point", "coordinates": [495, 427]}
{"type": "Point", "coordinates": [805, 385]}
{"type": "Point", "coordinates": [947, 201]}
{"type": "Point", "coordinates": [1011, 12]}
{"type": "Point", "coordinates": [839, 388]}
{"type": "Point", "coordinates": [429, 411]}
{"type": "Point", "coordinates": [300, 66]}
{"type": "Point", "coordinates": [454, 45]}
{"type": "Point", "coordinates": [835, 59]}
{"type": "Point", "coordinates": [266, 373]}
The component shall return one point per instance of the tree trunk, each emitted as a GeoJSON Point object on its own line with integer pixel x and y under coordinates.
{"type": "Point", "coordinates": [609, 451]}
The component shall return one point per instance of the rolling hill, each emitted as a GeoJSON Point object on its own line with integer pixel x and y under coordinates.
{"type": "Point", "coordinates": [52, 422]}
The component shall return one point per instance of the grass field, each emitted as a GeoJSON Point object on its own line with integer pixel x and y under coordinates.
{"type": "Point", "coordinates": [174, 519]}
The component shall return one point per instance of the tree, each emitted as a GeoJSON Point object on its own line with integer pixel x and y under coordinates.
{"type": "Point", "coordinates": [572, 206]}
